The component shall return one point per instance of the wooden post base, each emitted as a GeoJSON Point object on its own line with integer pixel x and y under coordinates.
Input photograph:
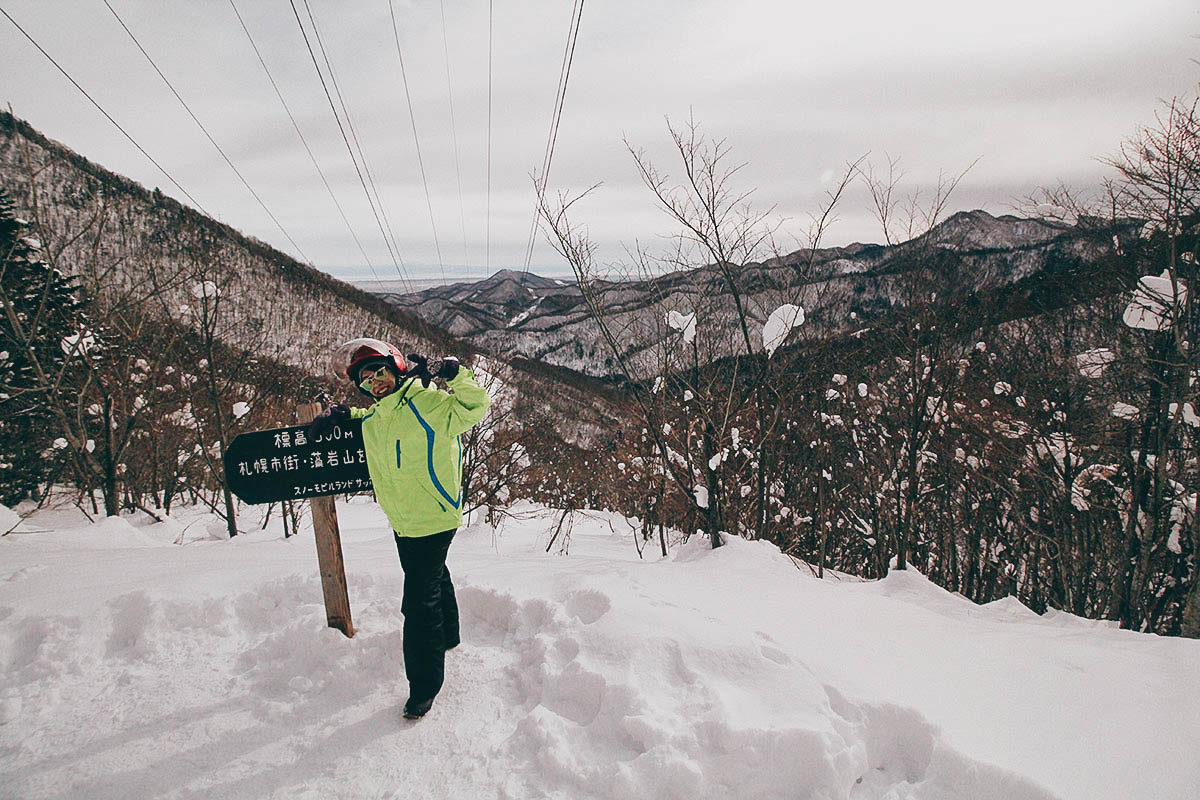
{"type": "Point", "coordinates": [329, 548]}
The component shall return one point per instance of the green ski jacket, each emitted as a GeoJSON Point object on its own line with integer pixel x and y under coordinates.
{"type": "Point", "coordinates": [414, 453]}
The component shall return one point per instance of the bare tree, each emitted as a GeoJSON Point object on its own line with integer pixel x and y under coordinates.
{"type": "Point", "coordinates": [927, 334]}
{"type": "Point", "coordinates": [1159, 182]}
{"type": "Point", "coordinates": [703, 395]}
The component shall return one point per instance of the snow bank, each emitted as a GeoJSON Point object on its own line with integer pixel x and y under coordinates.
{"type": "Point", "coordinates": [9, 519]}
{"type": "Point", "coordinates": [207, 670]}
{"type": "Point", "coordinates": [107, 533]}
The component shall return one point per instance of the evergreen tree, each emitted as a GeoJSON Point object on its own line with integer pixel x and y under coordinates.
{"type": "Point", "coordinates": [41, 316]}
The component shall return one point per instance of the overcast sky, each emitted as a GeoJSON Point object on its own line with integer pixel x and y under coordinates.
{"type": "Point", "coordinates": [1038, 92]}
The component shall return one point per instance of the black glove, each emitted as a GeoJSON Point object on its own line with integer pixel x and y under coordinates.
{"type": "Point", "coordinates": [339, 412]}
{"type": "Point", "coordinates": [449, 368]}
{"type": "Point", "coordinates": [418, 368]}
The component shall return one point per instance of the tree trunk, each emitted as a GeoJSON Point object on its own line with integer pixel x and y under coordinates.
{"type": "Point", "coordinates": [1189, 625]}
{"type": "Point", "coordinates": [712, 512]}
{"type": "Point", "coordinates": [108, 465]}
{"type": "Point", "coordinates": [902, 535]}
{"type": "Point", "coordinates": [112, 498]}
{"type": "Point", "coordinates": [824, 527]}
{"type": "Point", "coordinates": [230, 518]}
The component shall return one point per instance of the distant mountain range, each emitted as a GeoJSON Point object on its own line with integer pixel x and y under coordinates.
{"type": "Point", "coordinates": [1015, 261]}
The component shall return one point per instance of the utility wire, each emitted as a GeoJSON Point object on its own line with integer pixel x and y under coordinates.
{"type": "Point", "coordinates": [555, 118]}
{"type": "Point", "coordinates": [563, 76]}
{"type": "Point", "coordinates": [196, 119]}
{"type": "Point", "coordinates": [399, 269]}
{"type": "Point", "coordinates": [563, 97]}
{"type": "Point", "coordinates": [362, 156]}
{"type": "Point", "coordinates": [304, 141]}
{"type": "Point", "coordinates": [462, 213]}
{"type": "Point", "coordinates": [107, 116]}
{"type": "Point", "coordinates": [488, 234]}
{"type": "Point", "coordinates": [417, 141]}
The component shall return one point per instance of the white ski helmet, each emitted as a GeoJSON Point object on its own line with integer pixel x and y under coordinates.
{"type": "Point", "coordinates": [349, 355]}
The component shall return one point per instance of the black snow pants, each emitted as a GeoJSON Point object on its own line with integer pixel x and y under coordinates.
{"type": "Point", "coordinates": [430, 611]}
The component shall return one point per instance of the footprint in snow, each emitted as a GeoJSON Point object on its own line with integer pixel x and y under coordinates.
{"type": "Point", "coordinates": [587, 605]}
{"type": "Point", "coordinates": [767, 649]}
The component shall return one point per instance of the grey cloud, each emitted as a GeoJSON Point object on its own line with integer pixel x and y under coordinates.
{"type": "Point", "coordinates": [796, 92]}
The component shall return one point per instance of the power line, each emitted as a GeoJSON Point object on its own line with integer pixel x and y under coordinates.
{"type": "Point", "coordinates": [362, 156]}
{"type": "Point", "coordinates": [556, 117]}
{"type": "Point", "coordinates": [107, 116]}
{"type": "Point", "coordinates": [488, 234]}
{"type": "Point", "coordinates": [462, 213]}
{"type": "Point", "coordinates": [417, 141]}
{"type": "Point", "coordinates": [399, 269]}
{"type": "Point", "coordinates": [196, 119]}
{"type": "Point", "coordinates": [564, 76]}
{"type": "Point", "coordinates": [304, 141]}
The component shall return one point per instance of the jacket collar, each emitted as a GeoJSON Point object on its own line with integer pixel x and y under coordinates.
{"type": "Point", "coordinates": [406, 390]}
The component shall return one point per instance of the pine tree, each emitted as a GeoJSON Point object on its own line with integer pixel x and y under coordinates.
{"type": "Point", "coordinates": [40, 314]}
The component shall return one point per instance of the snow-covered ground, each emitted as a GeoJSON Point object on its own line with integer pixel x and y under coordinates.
{"type": "Point", "coordinates": [134, 667]}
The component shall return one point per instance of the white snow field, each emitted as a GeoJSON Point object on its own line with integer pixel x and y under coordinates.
{"type": "Point", "coordinates": [134, 667]}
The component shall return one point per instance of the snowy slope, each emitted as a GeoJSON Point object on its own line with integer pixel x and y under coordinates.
{"type": "Point", "coordinates": [135, 667]}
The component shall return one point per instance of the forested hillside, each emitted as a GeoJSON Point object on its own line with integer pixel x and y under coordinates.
{"type": "Point", "coordinates": [126, 242]}
{"type": "Point", "coordinates": [141, 337]}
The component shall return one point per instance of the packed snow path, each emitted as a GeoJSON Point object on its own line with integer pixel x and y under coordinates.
{"type": "Point", "coordinates": [134, 667]}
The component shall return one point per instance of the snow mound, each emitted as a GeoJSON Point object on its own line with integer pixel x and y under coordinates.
{"type": "Point", "coordinates": [9, 519]}
{"type": "Point", "coordinates": [734, 552]}
{"type": "Point", "coordinates": [106, 533]}
{"type": "Point", "coordinates": [1066, 619]}
{"type": "Point", "coordinates": [679, 716]}
{"type": "Point", "coordinates": [117, 532]}
{"type": "Point", "coordinates": [910, 586]}
{"type": "Point", "coordinates": [1012, 609]}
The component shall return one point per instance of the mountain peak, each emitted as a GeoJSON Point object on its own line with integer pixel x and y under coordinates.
{"type": "Point", "coordinates": [521, 278]}
{"type": "Point", "coordinates": [979, 230]}
{"type": "Point", "coordinates": [508, 275]}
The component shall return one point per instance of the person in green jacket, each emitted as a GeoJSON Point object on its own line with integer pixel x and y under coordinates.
{"type": "Point", "coordinates": [411, 435]}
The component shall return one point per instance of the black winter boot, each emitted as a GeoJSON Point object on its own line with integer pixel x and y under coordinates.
{"type": "Point", "coordinates": [414, 709]}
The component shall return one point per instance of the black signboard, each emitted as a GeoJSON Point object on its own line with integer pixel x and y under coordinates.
{"type": "Point", "coordinates": [287, 464]}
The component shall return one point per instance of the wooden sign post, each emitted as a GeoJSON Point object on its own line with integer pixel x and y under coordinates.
{"type": "Point", "coordinates": [329, 547]}
{"type": "Point", "coordinates": [287, 464]}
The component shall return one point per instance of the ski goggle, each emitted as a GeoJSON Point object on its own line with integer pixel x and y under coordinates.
{"type": "Point", "coordinates": [368, 379]}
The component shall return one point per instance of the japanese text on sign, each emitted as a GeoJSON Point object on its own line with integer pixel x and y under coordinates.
{"type": "Point", "coordinates": [288, 464]}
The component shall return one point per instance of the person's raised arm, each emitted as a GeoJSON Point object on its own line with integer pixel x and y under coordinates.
{"type": "Point", "coordinates": [467, 406]}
